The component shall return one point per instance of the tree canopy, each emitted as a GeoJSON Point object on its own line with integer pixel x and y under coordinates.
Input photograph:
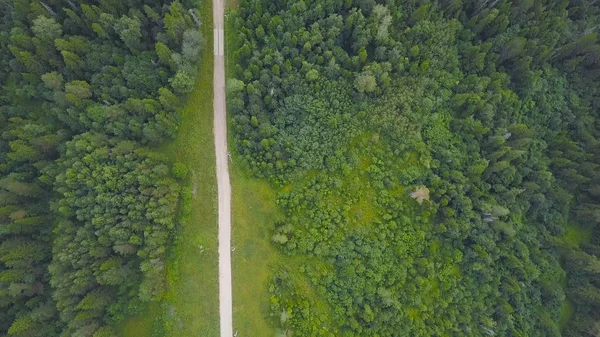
{"type": "Point", "coordinates": [353, 109]}
{"type": "Point", "coordinates": [87, 207]}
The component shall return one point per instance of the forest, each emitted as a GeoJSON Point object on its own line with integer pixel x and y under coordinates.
{"type": "Point", "coordinates": [88, 207]}
{"type": "Point", "coordinates": [432, 158]}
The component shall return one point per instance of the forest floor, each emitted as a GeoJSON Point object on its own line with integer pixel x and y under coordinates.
{"type": "Point", "coordinates": [189, 307]}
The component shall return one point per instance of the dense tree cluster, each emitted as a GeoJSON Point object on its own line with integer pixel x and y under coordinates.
{"type": "Point", "coordinates": [349, 106]}
{"type": "Point", "coordinates": [86, 211]}
{"type": "Point", "coordinates": [116, 212]}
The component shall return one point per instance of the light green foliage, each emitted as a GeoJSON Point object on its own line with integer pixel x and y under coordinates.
{"type": "Point", "coordinates": [163, 52]}
{"type": "Point", "coordinates": [104, 332]}
{"type": "Point", "coordinates": [169, 101]}
{"type": "Point", "coordinates": [21, 325]}
{"type": "Point", "coordinates": [365, 82]}
{"type": "Point", "coordinates": [182, 83]}
{"type": "Point", "coordinates": [53, 81]}
{"type": "Point", "coordinates": [72, 60]}
{"type": "Point", "coordinates": [180, 170]}
{"type": "Point", "coordinates": [382, 15]}
{"type": "Point", "coordinates": [193, 41]}
{"type": "Point", "coordinates": [97, 28]}
{"type": "Point", "coordinates": [79, 89]}
{"type": "Point", "coordinates": [175, 21]}
{"type": "Point", "coordinates": [312, 75]}
{"type": "Point", "coordinates": [235, 86]}
{"type": "Point", "coordinates": [75, 44]}
{"type": "Point", "coordinates": [129, 31]}
{"type": "Point", "coordinates": [47, 29]}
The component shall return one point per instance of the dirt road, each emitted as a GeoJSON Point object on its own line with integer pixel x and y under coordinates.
{"type": "Point", "coordinates": [224, 187]}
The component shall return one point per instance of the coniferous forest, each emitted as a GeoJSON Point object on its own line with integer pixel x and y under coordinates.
{"type": "Point", "coordinates": [87, 207]}
{"type": "Point", "coordinates": [434, 162]}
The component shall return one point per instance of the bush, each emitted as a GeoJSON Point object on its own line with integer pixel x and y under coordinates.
{"type": "Point", "coordinates": [180, 171]}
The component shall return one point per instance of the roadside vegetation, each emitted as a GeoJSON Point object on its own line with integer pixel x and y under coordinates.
{"type": "Point", "coordinates": [253, 214]}
{"type": "Point", "coordinates": [253, 211]}
{"type": "Point", "coordinates": [190, 304]}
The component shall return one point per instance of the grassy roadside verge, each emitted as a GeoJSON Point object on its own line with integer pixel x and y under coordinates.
{"type": "Point", "coordinates": [253, 214]}
{"type": "Point", "coordinates": [190, 305]}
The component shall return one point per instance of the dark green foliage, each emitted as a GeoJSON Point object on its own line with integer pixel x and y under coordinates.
{"type": "Point", "coordinates": [27, 147]}
{"type": "Point", "coordinates": [115, 212]}
{"type": "Point", "coordinates": [86, 212]}
{"type": "Point", "coordinates": [349, 106]}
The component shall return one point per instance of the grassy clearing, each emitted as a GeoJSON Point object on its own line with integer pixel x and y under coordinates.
{"type": "Point", "coordinates": [145, 325]}
{"type": "Point", "coordinates": [190, 306]}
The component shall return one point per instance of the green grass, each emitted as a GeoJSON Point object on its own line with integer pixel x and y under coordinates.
{"type": "Point", "coordinates": [231, 40]}
{"type": "Point", "coordinates": [190, 305]}
{"type": "Point", "coordinates": [253, 214]}
{"type": "Point", "coordinates": [143, 325]}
